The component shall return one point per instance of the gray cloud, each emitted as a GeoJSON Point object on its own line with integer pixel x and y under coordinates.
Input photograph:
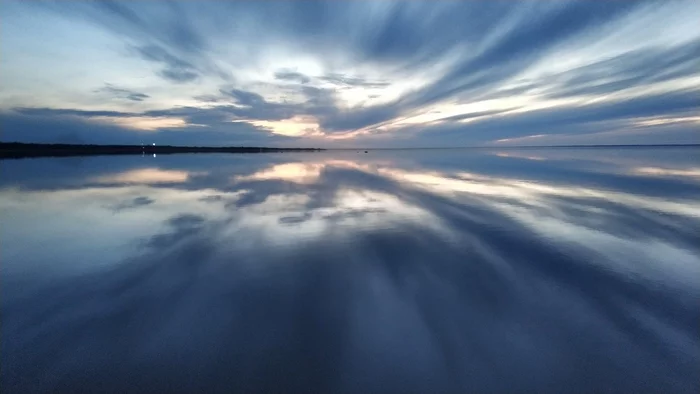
{"type": "Point", "coordinates": [521, 46]}
{"type": "Point", "coordinates": [166, 33]}
{"type": "Point", "coordinates": [132, 19]}
{"type": "Point", "coordinates": [286, 75]}
{"type": "Point", "coordinates": [174, 68]}
{"type": "Point", "coordinates": [133, 203]}
{"type": "Point", "coordinates": [570, 120]}
{"type": "Point", "coordinates": [634, 68]}
{"type": "Point", "coordinates": [473, 115]}
{"type": "Point", "coordinates": [345, 80]}
{"type": "Point", "coordinates": [336, 120]}
{"type": "Point", "coordinates": [74, 126]}
{"type": "Point", "coordinates": [464, 51]}
{"type": "Point", "coordinates": [70, 112]}
{"type": "Point", "coordinates": [244, 97]}
{"type": "Point", "coordinates": [122, 93]}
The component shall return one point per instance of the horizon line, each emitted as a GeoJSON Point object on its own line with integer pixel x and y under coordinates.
{"type": "Point", "coordinates": [354, 148]}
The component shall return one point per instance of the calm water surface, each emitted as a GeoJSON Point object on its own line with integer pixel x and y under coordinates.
{"type": "Point", "coordinates": [536, 270]}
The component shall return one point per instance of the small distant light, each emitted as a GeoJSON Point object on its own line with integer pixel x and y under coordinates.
{"type": "Point", "coordinates": [154, 155]}
{"type": "Point", "coordinates": [154, 144]}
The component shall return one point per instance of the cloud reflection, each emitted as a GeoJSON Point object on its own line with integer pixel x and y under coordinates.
{"type": "Point", "coordinates": [367, 274]}
{"type": "Point", "coordinates": [146, 176]}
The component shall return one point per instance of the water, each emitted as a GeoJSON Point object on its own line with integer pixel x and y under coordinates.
{"type": "Point", "coordinates": [534, 270]}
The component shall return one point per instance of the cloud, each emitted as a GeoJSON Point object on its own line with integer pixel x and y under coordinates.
{"type": "Point", "coordinates": [627, 70]}
{"type": "Point", "coordinates": [254, 106]}
{"type": "Point", "coordinates": [175, 69]}
{"type": "Point", "coordinates": [519, 47]}
{"type": "Point", "coordinates": [565, 120]}
{"type": "Point", "coordinates": [43, 125]}
{"type": "Point", "coordinates": [122, 93]}
{"type": "Point", "coordinates": [136, 202]}
{"type": "Point", "coordinates": [168, 24]}
{"type": "Point", "coordinates": [70, 112]}
{"type": "Point", "coordinates": [285, 75]}
{"type": "Point", "coordinates": [320, 103]}
{"type": "Point", "coordinates": [341, 67]}
{"type": "Point", "coordinates": [243, 97]}
{"type": "Point", "coordinates": [344, 80]}
{"type": "Point", "coordinates": [343, 121]}
{"type": "Point", "coordinates": [132, 19]}
{"type": "Point", "coordinates": [165, 34]}
{"type": "Point", "coordinates": [473, 115]}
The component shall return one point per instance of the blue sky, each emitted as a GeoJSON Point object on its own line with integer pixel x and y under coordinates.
{"type": "Point", "coordinates": [350, 73]}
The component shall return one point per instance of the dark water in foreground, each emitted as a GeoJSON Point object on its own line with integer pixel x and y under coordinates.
{"type": "Point", "coordinates": [557, 270]}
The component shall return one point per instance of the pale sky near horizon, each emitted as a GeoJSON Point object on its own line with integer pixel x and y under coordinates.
{"type": "Point", "coordinates": [350, 73]}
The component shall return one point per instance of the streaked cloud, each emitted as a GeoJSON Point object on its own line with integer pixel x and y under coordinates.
{"type": "Point", "coordinates": [122, 93]}
{"type": "Point", "coordinates": [328, 73]}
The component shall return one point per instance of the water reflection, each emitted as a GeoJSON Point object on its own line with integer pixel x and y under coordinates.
{"type": "Point", "coordinates": [146, 176]}
{"type": "Point", "coordinates": [403, 271]}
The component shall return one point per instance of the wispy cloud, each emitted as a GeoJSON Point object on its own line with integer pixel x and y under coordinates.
{"type": "Point", "coordinates": [375, 73]}
{"type": "Point", "coordinates": [293, 76]}
{"type": "Point", "coordinates": [122, 93]}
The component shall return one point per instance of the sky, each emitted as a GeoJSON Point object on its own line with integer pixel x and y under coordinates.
{"type": "Point", "coordinates": [347, 74]}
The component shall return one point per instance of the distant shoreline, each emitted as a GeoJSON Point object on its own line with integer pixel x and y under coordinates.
{"type": "Point", "coordinates": [17, 150]}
